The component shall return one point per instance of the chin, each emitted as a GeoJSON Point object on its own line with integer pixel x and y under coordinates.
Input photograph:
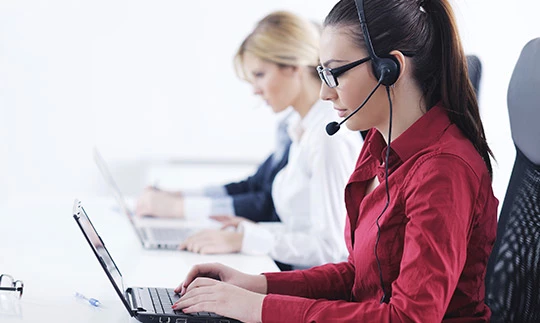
{"type": "Point", "coordinates": [353, 127]}
{"type": "Point", "coordinates": [278, 109]}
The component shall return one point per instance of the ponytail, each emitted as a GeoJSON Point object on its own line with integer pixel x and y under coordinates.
{"type": "Point", "coordinates": [456, 91]}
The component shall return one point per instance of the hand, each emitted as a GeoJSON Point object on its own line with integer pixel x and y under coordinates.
{"type": "Point", "coordinates": [159, 203]}
{"type": "Point", "coordinates": [213, 241]}
{"type": "Point", "coordinates": [210, 295]}
{"type": "Point", "coordinates": [229, 220]}
{"type": "Point", "coordinates": [254, 283]}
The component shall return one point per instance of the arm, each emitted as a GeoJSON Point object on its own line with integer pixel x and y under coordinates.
{"type": "Point", "coordinates": [252, 198]}
{"type": "Point", "coordinates": [255, 206]}
{"type": "Point", "coordinates": [435, 251]}
{"type": "Point", "coordinates": [330, 281]}
{"type": "Point", "coordinates": [253, 183]}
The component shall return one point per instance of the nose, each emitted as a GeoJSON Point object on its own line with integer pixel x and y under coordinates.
{"type": "Point", "coordinates": [326, 93]}
{"type": "Point", "coordinates": [257, 90]}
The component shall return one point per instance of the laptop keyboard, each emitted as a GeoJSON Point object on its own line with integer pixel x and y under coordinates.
{"type": "Point", "coordinates": [170, 234]}
{"type": "Point", "coordinates": [164, 298]}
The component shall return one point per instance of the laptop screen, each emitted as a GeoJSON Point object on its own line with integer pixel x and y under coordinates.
{"type": "Point", "coordinates": [107, 176]}
{"type": "Point", "coordinates": [99, 249]}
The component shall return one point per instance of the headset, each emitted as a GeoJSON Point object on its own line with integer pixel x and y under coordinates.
{"type": "Point", "coordinates": [386, 71]}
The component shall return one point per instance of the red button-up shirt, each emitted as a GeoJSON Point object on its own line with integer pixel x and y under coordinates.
{"type": "Point", "coordinates": [435, 237]}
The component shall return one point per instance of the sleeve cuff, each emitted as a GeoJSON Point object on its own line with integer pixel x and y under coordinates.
{"type": "Point", "coordinates": [257, 240]}
{"type": "Point", "coordinates": [222, 206]}
{"type": "Point", "coordinates": [282, 308]}
{"type": "Point", "coordinates": [215, 191]}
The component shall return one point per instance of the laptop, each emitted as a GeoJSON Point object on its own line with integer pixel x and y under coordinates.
{"type": "Point", "coordinates": [146, 304]}
{"type": "Point", "coordinates": [151, 235]}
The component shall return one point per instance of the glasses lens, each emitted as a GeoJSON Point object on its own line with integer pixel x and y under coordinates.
{"type": "Point", "coordinates": [321, 74]}
{"type": "Point", "coordinates": [9, 285]}
{"type": "Point", "coordinates": [6, 281]}
{"type": "Point", "coordinates": [329, 78]}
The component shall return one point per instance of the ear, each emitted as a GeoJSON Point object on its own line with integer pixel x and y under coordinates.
{"type": "Point", "coordinates": [400, 58]}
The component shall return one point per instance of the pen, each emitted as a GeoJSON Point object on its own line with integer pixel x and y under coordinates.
{"type": "Point", "coordinates": [94, 302]}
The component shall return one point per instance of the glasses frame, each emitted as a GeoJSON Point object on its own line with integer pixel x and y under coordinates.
{"type": "Point", "coordinates": [18, 285]}
{"type": "Point", "coordinates": [334, 73]}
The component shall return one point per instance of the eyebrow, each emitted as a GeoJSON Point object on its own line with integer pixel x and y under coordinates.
{"type": "Point", "coordinates": [333, 61]}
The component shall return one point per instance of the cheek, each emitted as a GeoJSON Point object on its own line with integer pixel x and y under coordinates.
{"type": "Point", "coordinates": [280, 88]}
{"type": "Point", "coordinates": [351, 96]}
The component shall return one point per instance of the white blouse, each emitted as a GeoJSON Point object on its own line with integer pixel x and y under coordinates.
{"type": "Point", "coordinates": [308, 195]}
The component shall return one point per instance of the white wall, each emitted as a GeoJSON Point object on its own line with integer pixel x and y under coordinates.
{"type": "Point", "coordinates": [154, 79]}
{"type": "Point", "coordinates": [496, 31]}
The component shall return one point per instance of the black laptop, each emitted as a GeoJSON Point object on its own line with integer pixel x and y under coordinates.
{"type": "Point", "coordinates": [146, 304]}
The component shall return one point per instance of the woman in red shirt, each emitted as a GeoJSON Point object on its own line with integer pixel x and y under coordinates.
{"type": "Point", "coordinates": [421, 212]}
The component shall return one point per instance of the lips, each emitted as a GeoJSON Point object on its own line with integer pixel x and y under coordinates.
{"type": "Point", "coordinates": [341, 112]}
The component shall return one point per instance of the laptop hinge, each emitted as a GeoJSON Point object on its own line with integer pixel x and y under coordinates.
{"type": "Point", "coordinates": [134, 301]}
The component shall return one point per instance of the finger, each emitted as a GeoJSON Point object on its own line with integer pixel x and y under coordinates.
{"type": "Point", "coordinates": [200, 286]}
{"type": "Point", "coordinates": [191, 239]}
{"type": "Point", "coordinates": [210, 270]}
{"type": "Point", "coordinates": [196, 244]}
{"type": "Point", "coordinates": [212, 249]}
{"type": "Point", "coordinates": [193, 303]}
{"type": "Point", "coordinates": [141, 209]}
{"type": "Point", "coordinates": [228, 225]}
{"type": "Point", "coordinates": [207, 306]}
{"type": "Point", "coordinates": [220, 218]}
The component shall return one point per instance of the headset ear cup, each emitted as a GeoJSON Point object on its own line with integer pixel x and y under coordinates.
{"type": "Point", "coordinates": [390, 68]}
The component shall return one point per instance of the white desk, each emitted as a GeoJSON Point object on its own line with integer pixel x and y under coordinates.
{"type": "Point", "coordinates": [41, 244]}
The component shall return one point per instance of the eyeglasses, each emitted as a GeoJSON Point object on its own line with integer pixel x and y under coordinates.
{"type": "Point", "coordinates": [329, 75]}
{"type": "Point", "coordinates": [8, 283]}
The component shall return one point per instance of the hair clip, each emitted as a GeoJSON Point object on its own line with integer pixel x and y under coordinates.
{"type": "Point", "coordinates": [421, 4]}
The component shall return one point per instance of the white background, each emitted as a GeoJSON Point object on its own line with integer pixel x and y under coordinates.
{"type": "Point", "coordinates": [154, 80]}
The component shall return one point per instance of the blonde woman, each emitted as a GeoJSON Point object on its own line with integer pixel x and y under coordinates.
{"type": "Point", "coordinates": [278, 58]}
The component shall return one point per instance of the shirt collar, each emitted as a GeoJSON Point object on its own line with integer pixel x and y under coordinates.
{"type": "Point", "coordinates": [313, 118]}
{"type": "Point", "coordinates": [418, 136]}
{"type": "Point", "coordinates": [422, 133]}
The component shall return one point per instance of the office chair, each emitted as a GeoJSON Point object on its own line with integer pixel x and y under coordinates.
{"type": "Point", "coordinates": [513, 273]}
{"type": "Point", "coordinates": [475, 71]}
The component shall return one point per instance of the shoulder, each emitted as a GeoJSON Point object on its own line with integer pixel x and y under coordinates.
{"type": "Point", "coordinates": [451, 162]}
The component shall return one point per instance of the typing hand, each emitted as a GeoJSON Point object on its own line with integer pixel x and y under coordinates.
{"type": "Point", "coordinates": [210, 295]}
{"type": "Point", "coordinates": [254, 283]}
{"type": "Point", "coordinates": [213, 242]}
{"type": "Point", "coordinates": [159, 203]}
{"type": "Point", "coordinates": [229, 220]}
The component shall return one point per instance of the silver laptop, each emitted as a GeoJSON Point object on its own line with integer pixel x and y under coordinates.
{"type": "Point", "coordinates": [146, 304]}
{"type": "Point", "coordinates": [151, 235]}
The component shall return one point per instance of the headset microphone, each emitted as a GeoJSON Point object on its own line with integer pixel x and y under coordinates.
{"type": "Point", "coordinates": [333, 127]}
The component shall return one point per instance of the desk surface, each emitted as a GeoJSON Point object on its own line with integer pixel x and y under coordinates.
{"type": "Point", "coordinates": [41, 244]}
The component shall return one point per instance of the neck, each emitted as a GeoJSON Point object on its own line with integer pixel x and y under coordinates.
{"type": "Point", "coordinates": [308, 95]}
{"type": "Point", "coordinates": [408, 106]}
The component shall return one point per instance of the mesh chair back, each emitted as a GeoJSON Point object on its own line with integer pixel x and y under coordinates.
{"type": "Point", "coordinates": [513, 273]}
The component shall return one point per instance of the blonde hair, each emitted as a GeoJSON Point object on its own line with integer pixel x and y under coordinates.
{"type": "Point", "coordinates": [282, 38]}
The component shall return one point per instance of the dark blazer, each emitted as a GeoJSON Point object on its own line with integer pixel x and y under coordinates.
{"type": "Point", "coordinates": [252, 197]}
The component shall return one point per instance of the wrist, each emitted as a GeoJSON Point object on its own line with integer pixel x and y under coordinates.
{"type": "Point", "coordinates": [257, 311]}
{"type": "Point", "coordinates": [260, 284]}
{"type": "Point", "coordinates": [178, 210]}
